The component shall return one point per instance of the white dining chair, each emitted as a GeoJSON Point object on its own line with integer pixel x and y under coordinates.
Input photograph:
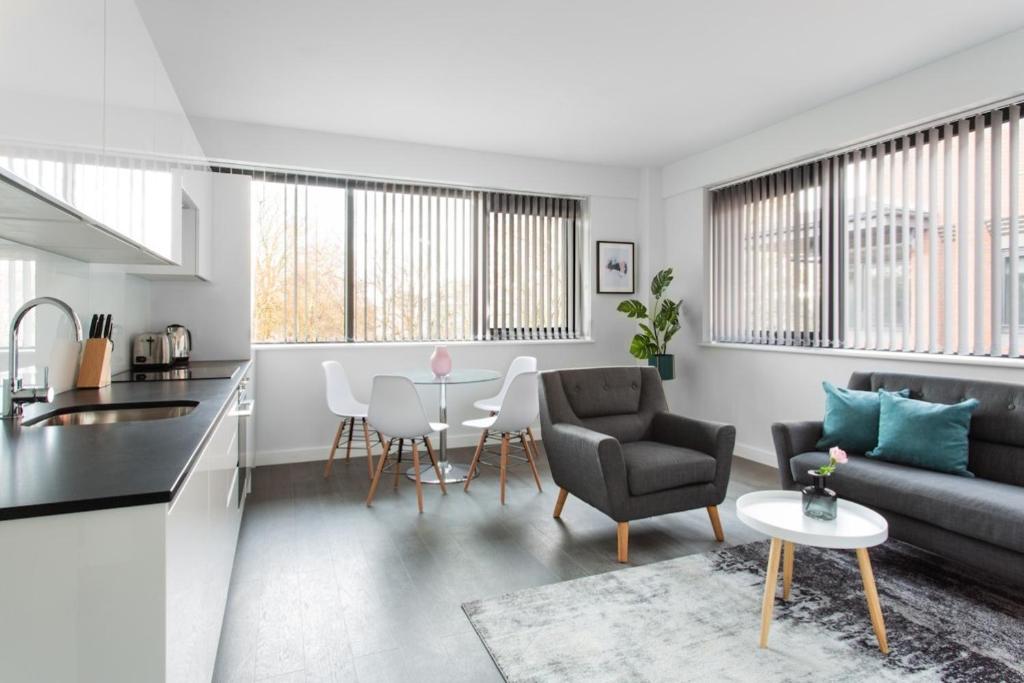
{"type": "Point", "coordinates": [343, 403]}
{"type": "Point", "coordinates": [396, 411]}
{"type": "Point", "coordinates": [518, 409]}
{"type": "Point", "coordinates": [519, 364]}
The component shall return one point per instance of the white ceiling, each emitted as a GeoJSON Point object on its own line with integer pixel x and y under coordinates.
{"type": "Point", "coordinates": [604, 81]}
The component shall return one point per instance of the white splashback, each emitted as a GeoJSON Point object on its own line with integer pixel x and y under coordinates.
{"type": "Point", "coordinates": [47, 336]}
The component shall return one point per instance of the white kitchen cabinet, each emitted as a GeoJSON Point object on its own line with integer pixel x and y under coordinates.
{"type": "Point", "coordinates": [131, 69]}
{"type": "Point", "coordinates": [126, 594]}
{"type": "Point", "coordinates": [194, 223]}
{"type": "Point", "coordinates": [202, 530]}
{"type": "Point", "coordinates": [90, 116]}
{"type": "Point", "coordinates": [51, 75]}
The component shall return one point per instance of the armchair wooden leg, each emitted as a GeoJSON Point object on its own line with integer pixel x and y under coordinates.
{"type": "Point", "coordinates": [476, 459]}
{"type": "Point", "coordinates": [560, 502]}
{"type": "Point", "coordinates": [416, 469]}
{"type": "Point", "coordinates": [376, 477]}
{"type": "Point", "coordinates": [716, 523]}
{"type": "Point", "coordinates": [623, 538]}
{"type": "Point", "coordinates": [369, 449]}
{"type": "Point", "coordinates": [504, 464]}
{"type": "Point", "coordinates": [334, 447]}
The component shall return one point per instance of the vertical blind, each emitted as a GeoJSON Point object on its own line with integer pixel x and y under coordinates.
{"type": "Point", "coordinates": [340, 259]}
{"type": "Point", "coordinates": [909, 244]}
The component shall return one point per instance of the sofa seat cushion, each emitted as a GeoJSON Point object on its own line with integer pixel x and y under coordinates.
{"type": "Point", "coordinates": [653, 466]}
{"type": "Point", "coordinates": [987, 510]}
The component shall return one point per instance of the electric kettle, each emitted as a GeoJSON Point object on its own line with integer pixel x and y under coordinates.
{"type": "Point", "coordinates": [181, 343]}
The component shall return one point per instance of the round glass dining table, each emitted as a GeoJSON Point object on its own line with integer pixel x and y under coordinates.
{"type": "Point", "coordinates": [452, 473]}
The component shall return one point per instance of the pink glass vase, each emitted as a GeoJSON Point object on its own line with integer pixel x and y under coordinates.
{"type": "Point", "coordinates": [441, 362]}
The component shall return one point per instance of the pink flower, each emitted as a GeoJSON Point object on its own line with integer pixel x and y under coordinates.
{"type": "Point", "coordinates": [837, 455]}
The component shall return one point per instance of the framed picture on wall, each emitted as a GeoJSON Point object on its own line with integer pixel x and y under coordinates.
{"type": "Point", "coordinates": [615, 268]}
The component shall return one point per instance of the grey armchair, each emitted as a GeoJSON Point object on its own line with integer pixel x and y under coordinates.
{"type": "Point", "coordinates": [612, 443]}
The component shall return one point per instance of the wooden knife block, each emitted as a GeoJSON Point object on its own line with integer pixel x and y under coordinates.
{"type": "Point", "coordinates": [94, 370]}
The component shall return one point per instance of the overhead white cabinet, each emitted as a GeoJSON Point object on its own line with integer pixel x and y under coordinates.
{"type": "Point", "coordinates": [90, 117]}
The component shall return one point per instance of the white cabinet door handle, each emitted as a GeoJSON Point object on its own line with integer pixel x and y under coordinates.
{"type": "Point", "coordinates": [244, 409]}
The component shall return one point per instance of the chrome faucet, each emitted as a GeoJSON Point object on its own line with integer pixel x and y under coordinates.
{"type": "Point", "coordinates": [14, 394]}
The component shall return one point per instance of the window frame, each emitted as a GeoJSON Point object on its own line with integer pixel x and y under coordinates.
{"type": "Point", "coordinates": [833, 288]}
{"type": "Point", "coordinates": [574, 323]}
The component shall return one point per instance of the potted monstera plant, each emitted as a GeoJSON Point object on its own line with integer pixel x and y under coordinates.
{"type": "Point", "coordinates": [657, 325]}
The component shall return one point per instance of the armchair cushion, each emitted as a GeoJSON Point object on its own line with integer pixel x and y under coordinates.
{"type": "Point", "coordinates": [653, 466]}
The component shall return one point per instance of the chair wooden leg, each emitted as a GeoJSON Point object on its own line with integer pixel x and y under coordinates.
{"type": "Point", "coordinates": [398, 463]}
{"type": "Point", "coordinates": [380, 471]}
{"type": "Point", "coordinates": [416, 469]}
{"type": "Point", "coordinates": [334, 447]}
{"type": "Point", "coordinates": [716, 523]}
{"type": "Point", "coordinates": [476, 459]}
{"type": "Point", "coordinates": [560, 502]}
{"type": "Point", "coordinates": [529, 459]}
{"type": "Point", "coordinates": [504, 464]}
{"type": "Point", "coordinates": [369, 448]}
{"type": "Point", "coordinates": [533, 441]}
{"type": "Point", "coordinates": [348, 446]}
{"type": "Point", "coordinates": [437, 467]}
{"type": "Point", "coordinates": [622, 534]}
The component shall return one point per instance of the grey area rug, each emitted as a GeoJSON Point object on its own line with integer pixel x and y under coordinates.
{"type": "Point", "coordinates": [698, 617]}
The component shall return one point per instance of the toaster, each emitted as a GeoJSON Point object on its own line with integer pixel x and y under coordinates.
{"type": "Point", "coordinates": [151, 349]}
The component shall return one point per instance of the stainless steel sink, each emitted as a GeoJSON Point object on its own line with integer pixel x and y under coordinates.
{"type": "Point", "coordinates": [95, 415]}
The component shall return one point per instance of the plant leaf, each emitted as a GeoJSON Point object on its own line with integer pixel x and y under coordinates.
{"type": "Point", "coordinates": [660, 282]}
{"type": "Point", "coordinates": [640, 347]}
{"type": "Point", "coordinates": [667, 315]}
{"type": "Point", "coordinates": [632, 308]}
{"type": "Point", "coordinates": [647, 330]}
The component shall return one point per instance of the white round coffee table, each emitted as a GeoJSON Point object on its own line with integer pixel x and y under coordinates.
{"type": "Point", "coordinates": [779, 514]}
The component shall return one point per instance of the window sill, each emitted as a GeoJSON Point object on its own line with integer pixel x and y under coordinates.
{"type": "Point", "coordinates": [309, 346]}
{"type": "Point", "coordinates": [913, 357]}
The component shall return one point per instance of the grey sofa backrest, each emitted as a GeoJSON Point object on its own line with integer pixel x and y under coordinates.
{"type": "Point", "coordinates": [997, 425]}
{"type": "Point", "coordinates": [618, 401]}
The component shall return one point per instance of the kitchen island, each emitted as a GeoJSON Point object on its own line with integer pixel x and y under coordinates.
{"type": "Point", "coordinates": [118, 539]}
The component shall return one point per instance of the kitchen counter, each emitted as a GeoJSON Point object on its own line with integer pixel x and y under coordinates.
{"type": "Point", "coordinates": [50, 470]}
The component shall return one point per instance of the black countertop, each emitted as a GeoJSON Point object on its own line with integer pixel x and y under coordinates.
{"type": "Point", "coordinates": [49, 470]}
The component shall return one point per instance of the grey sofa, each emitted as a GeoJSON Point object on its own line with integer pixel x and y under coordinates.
{"type": "Point", "coordinates": [612, 443]}
{"type": "Point", "coordinates": [977, 521]}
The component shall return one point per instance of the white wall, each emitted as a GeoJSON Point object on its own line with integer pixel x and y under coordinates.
{"type": "Point", "coordinates": [753, 388]}
{"type": "Point", "coordinates": [216, 312]}
{"type": "Point", "coordinates": [26, 273]}
{"type": "Point", "coordinates": [292, 421]}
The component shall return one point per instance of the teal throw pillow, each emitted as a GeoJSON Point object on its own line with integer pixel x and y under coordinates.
{"type": "Point", "coordinates": [932, 436]}
{"type": "Point", "coordinates": [851, 418]}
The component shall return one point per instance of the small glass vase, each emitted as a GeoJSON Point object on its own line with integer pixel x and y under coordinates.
{"type": "Point", "coordinates": [819, 502]}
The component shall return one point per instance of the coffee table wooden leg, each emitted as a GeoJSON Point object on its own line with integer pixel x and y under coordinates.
{"type": "Point", "coordinates": [788, 550]}
{"type": "Point", "coordinates": [874, 607]}
{"type": "Point", "coordinates": [771, 578]}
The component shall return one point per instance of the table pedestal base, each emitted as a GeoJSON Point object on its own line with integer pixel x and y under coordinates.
{"type": "Point", "coordinates": [453, 474]}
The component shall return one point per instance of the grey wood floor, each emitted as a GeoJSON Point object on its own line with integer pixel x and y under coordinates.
{"type": "Point", "coordinates": [326, 589]}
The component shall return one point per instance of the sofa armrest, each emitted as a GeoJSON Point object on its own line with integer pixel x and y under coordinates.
{"type": "Point", "coordinates": [714, 438]}
{"type": "Point", "coordinates": [588, 464]}
{"type": "Point", "coordinates": [793, 438]}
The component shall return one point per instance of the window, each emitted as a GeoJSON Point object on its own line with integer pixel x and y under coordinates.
{"type": "Point", "coordinates": [338, 259]}
{"type": "Point", "coordinates": [901, 245]}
